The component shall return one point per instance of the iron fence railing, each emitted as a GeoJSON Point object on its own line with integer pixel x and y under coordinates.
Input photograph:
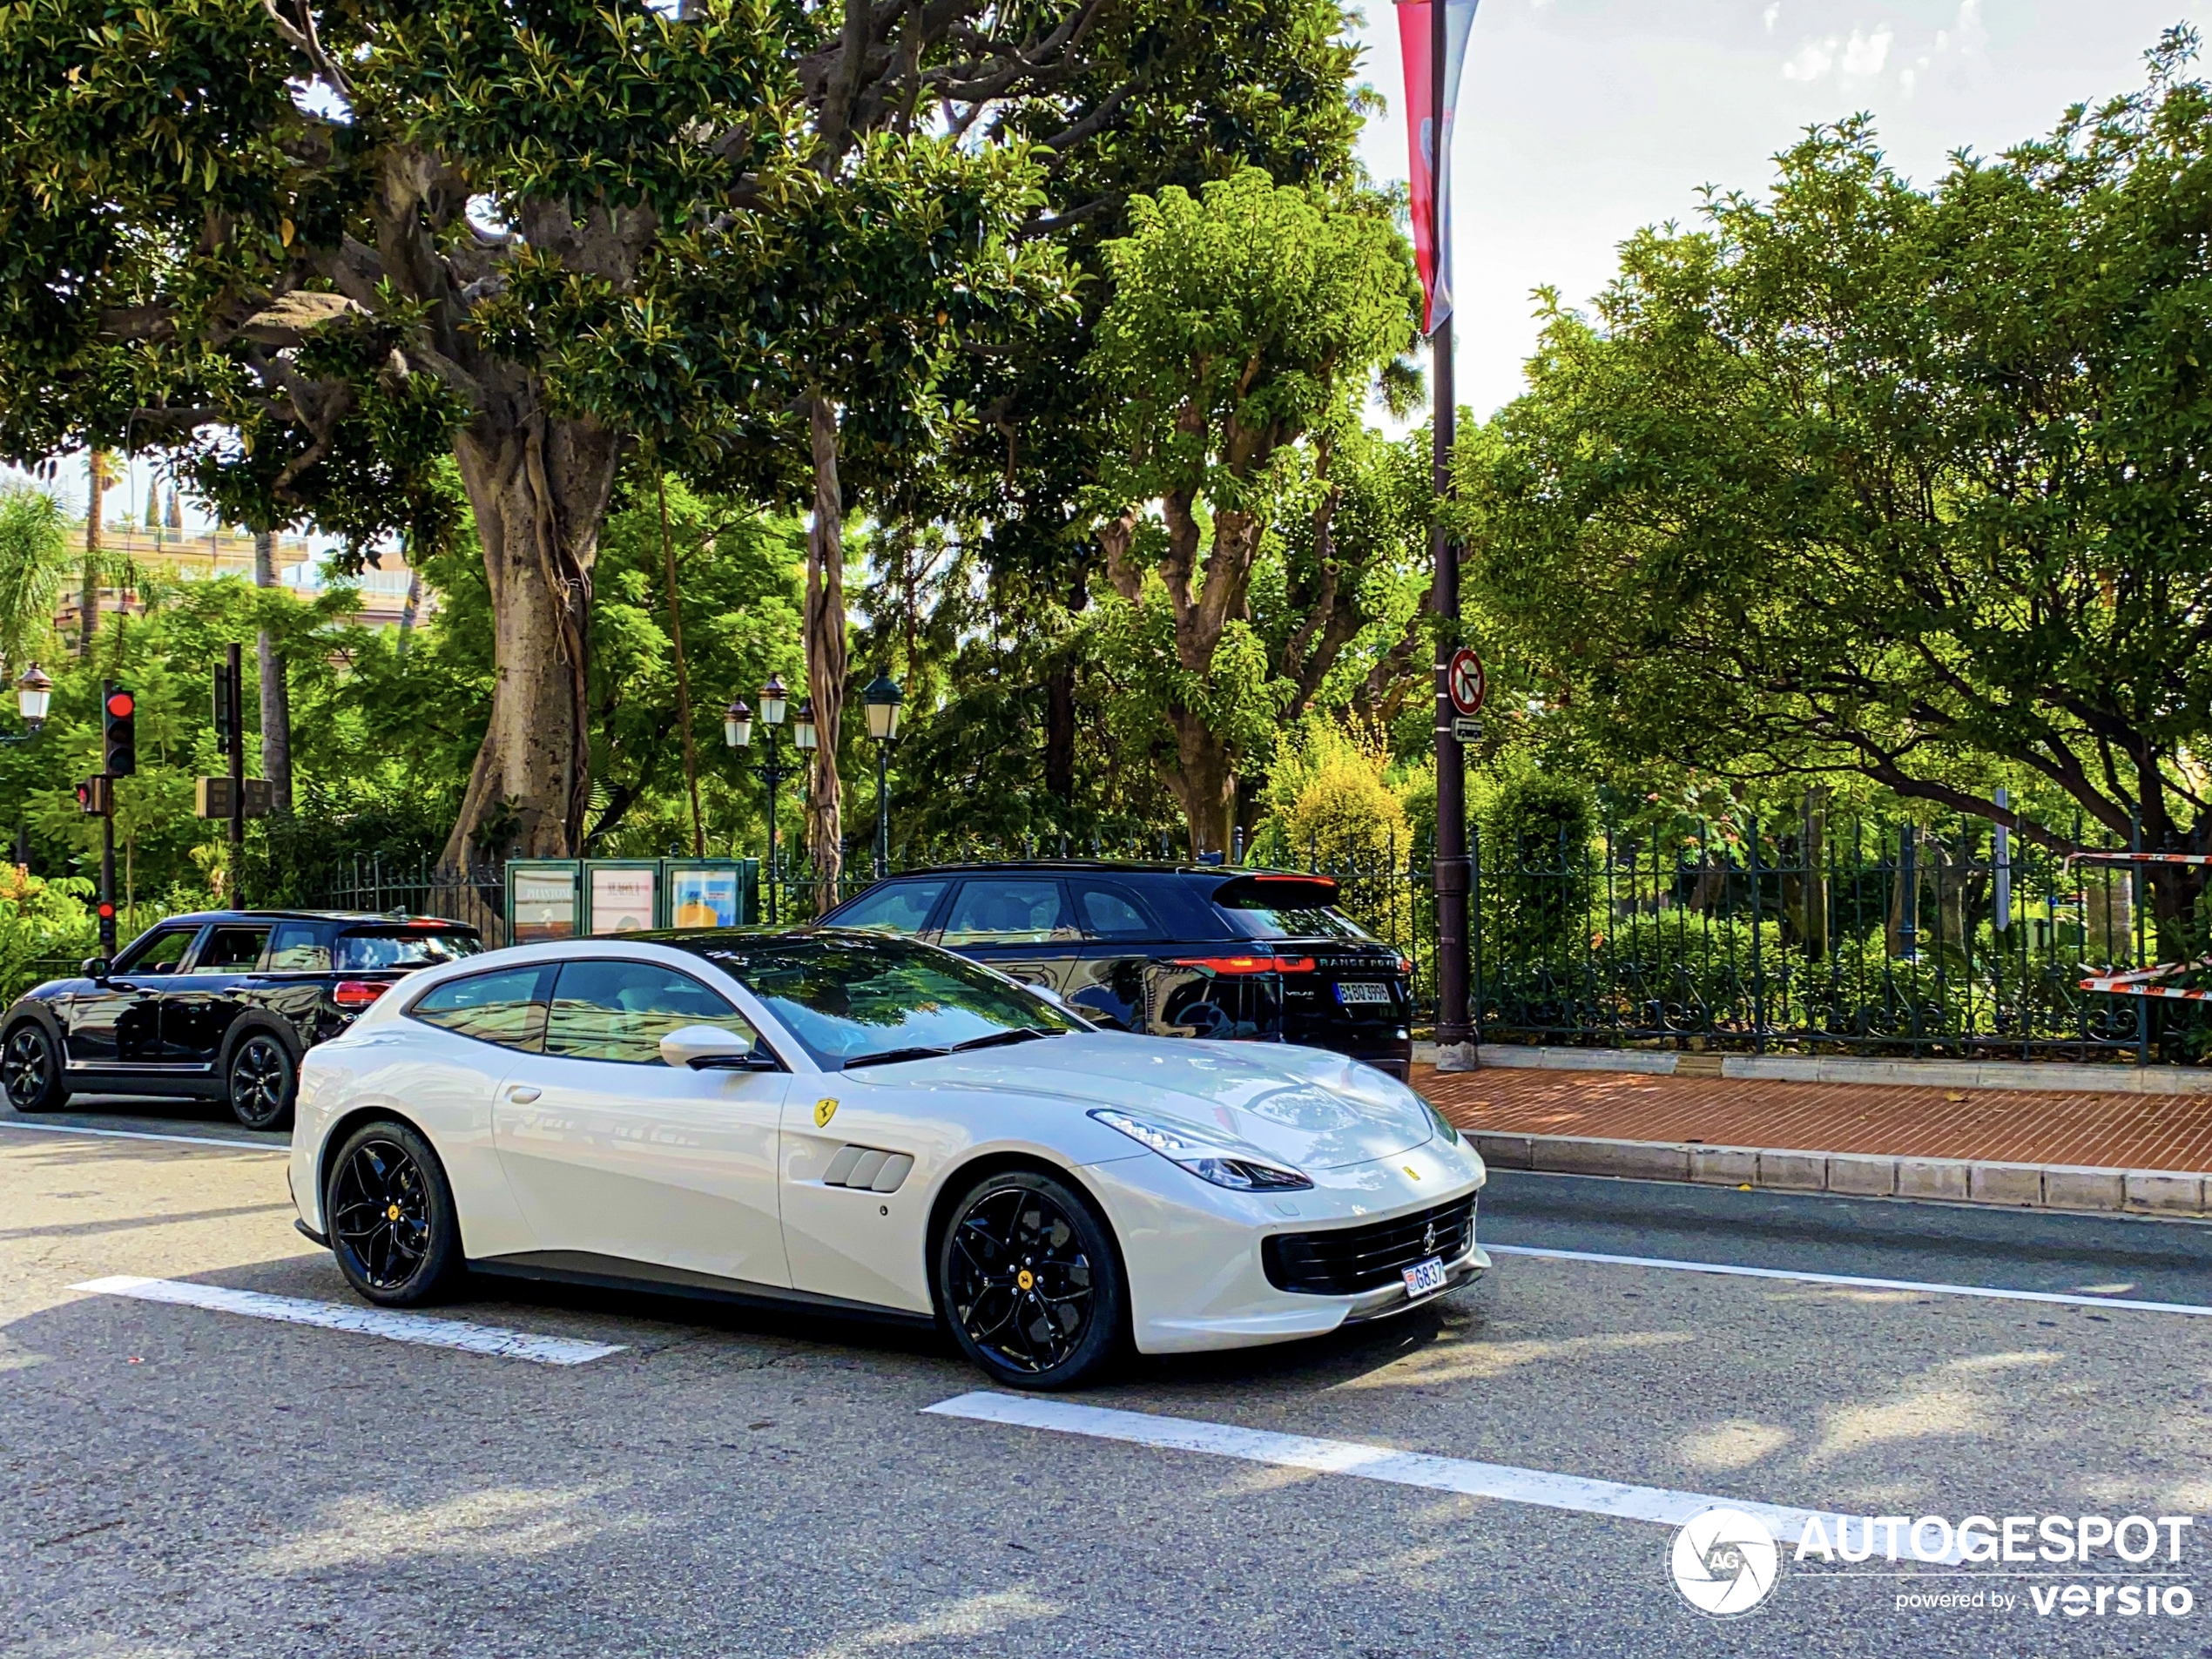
{"type": "Point", "coordinates": [1858, 937]}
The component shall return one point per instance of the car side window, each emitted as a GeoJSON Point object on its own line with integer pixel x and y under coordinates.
{"type": "Point", "coordinates": [159, 954]}
{"type": "Point", "coordinates": [504, 1006]}
{"type": "Point", "coordinates": [231, 950]}
{"type": "Point", "coordinates": [1009, 910]}
{"type": "Point", "coordinates": [1112, 913]}
{"type": "Point", "coordinates": [619, 1010]}
{"type": "Point", "coordinates": [894, 907]}
{"type": "Point", "coordinates": [298, 947]}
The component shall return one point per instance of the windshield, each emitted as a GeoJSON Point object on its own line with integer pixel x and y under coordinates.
{"type": "Point", "coordinates": [1263, 921]}
{"type": "Point", "coordinates": [402, 948]}
{"type": "Point", "coordinates": [850, 997]}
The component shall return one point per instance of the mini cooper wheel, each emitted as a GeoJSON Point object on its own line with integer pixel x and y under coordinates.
{"type": "Point", "coordinates": [31, 1069]}
{"type": "Point", "coordinates": [390, 1214]}
{"type": "Point", "coordinates": [262, 1080]}
{"type": "Point", "coordinates": [1029, 1282]}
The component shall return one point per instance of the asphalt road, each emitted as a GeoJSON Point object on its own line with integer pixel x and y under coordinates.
{"type": "Point", "coordinates": [178, 1479]}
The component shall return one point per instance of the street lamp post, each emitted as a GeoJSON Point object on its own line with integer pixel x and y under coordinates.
{"type": "Point", "coordinates": [737, 732]}
{"type": "Point", "coordinates": [883, 698]}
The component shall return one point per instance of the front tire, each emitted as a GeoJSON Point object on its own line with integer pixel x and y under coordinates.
{"type": "Point", "coordinates": [262, 1082]}
{"type": "Point", "coordinates": [389, 1213]}
{"type": "Point", "coordinates": [1028, 1280]}
{"type": "Point", "coordinates": [31, 1069]}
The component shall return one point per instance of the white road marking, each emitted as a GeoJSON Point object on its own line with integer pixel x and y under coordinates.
{"type": "Point", "coordinates": [144, 1135]}
{"type": "Point", "coordinates": [1658, 1505]}
{"type": "Point", "coordinates": [2061, 1298]}
{"type": "Point", "coordinates": [365, 1321]}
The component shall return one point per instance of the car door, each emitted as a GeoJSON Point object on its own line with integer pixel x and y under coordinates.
{"type": "Point", "coordinates": [198, 1014]}
{"type": "Point", "coordinates": [1019, 924]}
{"type": "Point", "coordinates": [1107, 980]}
{"type": "Point", "coordinates": [613, 1155]}
{"type": "Point", "coordinates": [115, 1024]}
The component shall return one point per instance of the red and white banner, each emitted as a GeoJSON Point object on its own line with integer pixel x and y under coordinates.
{"type": "Point", "coordinates": [1433, 181]}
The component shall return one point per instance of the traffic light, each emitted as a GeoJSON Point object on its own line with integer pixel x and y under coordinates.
{"type": "Point", "coordinates": [120, 716]}
{"type": "Point", "coordinates": [95, 796]}
{"type": "Point", "coordinates": [226, 712]}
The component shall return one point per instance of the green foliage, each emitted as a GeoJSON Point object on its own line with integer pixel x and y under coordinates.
{"type": "Point", "coordinates": [1537, 887]}
{"type": "Point", "coordinates": [35, 568]}
{"type": "Point", "coordinates": [41, 919]}
{"type": "Point", "coordinates": [1909, 483]}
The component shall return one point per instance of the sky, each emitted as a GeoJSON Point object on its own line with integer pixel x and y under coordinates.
{"type": "Point", "coordinates": [1582, 120]}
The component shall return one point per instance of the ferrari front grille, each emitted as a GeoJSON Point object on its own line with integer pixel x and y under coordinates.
{"type": "Point", "coordinates": [1345, 1261]}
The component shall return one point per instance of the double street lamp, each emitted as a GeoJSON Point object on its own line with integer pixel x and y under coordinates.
{"type": "Point", "coordinates": [737, 732]}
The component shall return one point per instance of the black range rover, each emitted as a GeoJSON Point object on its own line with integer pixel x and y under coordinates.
{"type": "Point", "coordinates": [1182, 952]}
{"type": "Point", "coordinates": [218, 1005]}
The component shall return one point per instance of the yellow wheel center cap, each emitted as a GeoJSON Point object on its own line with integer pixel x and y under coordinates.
{"type": "Point", "coordinates": [391, 1213]}
{"type": "Point", "coordinates": [1025, 1279]}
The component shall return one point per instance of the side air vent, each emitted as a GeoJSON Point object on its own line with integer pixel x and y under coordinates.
{"type": "Point", "coordinates": [867, 1169]}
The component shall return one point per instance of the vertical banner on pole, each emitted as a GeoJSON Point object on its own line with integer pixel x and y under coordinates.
{"type": "Point", "coordinates": [2000, 860]}
{"type": "Point", "coordinates": [1431, 161]}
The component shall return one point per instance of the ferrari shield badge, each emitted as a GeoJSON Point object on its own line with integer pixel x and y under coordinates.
{"type": "Point", "coordinates": [824, 1111]}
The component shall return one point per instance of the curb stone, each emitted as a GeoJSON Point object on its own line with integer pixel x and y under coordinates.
{"type": "Point", "coordinates": [1858, 1174]}
{"type": "Point", "coordinates": [2069, 1076]}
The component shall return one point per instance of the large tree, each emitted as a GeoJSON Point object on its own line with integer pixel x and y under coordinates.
{"type": "Point", "coordinates": [312, 249]}
{"type": "Point", "coordinates": [1243, 320]}
{"type": "Point", "coordinates": [1875, 478]}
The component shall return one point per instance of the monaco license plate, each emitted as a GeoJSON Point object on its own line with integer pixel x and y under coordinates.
{"type": "Point", "coordinates": [1362, 991]}
{"type": "Point", "coordinates": [1424, 1279]}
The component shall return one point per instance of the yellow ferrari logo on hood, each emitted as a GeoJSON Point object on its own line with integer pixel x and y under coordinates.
{"type": "Point", "coordinates": [824, 1111]}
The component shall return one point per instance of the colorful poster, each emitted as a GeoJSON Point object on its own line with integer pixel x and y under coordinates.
{"type": "Point", "coordinates": [621, 900]}
{"type": "Point", "coordinates": [1431, 161]}
{"type": "Point", "coordinates": [703, 898]}
{"type": "Point", "coordinates": [544, 905]}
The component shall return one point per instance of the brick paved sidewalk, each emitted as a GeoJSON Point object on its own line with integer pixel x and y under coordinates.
{"type": "Point", "coordinates": [2012, 1126]}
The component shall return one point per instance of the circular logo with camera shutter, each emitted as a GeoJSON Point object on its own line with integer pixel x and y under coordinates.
{"type": "Point", "coordinates": [1724, 1561]}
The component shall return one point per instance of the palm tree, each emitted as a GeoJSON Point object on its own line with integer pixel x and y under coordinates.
{"type": "Point", "coordinates": [36, 564]}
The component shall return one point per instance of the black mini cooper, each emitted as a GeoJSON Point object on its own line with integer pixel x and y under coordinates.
{"type": "Point", "coordinates": [217, 1006]}
{"type": "Point", "coordinates": [1201, 951]}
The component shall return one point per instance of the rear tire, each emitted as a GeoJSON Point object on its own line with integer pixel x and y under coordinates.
{"type": "Point", "coordinates": [390, 1214]}
{"type": "Point", "coordinates": [31, 1069]}
{"type": "Point", "coordinates": [1030, 1282]}
{"type": "Point", "coordinates": [262, 1080]}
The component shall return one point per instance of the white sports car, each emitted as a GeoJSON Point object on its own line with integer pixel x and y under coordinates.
{"type": "Point", "coordinates": [871, 1126]}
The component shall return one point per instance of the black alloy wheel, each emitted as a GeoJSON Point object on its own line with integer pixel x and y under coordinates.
{"type": "Point", "coordinates": [31, 1069]}
{"type": "Point", "coordinates": [389, 1215]}
{"type": "Point", "coordinates": [1031, 1285]}
{"type": "Point", "coordinates": [261, 1082]}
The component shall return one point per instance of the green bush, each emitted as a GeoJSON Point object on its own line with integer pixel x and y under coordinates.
{"type": "Point", "coordinates": [1536, 880]}
{"type": "Point", "coordinates": [39, 920]}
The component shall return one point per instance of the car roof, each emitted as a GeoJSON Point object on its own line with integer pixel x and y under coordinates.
{"type": "Point", "coordinates": [199, 916]}
{"type": "Point", "coordinates": [1094, 866]}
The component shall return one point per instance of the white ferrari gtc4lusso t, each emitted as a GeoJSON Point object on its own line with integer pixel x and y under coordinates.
{"type": "Point", "coordinates": [870, 1126]}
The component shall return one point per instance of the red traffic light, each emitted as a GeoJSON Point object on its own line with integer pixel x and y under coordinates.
{"type": "Point", "coordinates": [119, 705]}
{"type": "Point", "coordinates": [106, 911]}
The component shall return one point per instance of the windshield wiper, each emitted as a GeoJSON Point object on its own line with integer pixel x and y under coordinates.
{"type": "Point", "coordinates": [1019, 1034]}
{"type": "Point", "coordinates": [892, 1057]}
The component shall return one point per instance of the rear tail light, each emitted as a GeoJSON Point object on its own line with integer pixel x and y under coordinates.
{"type": "Point", "coordinates": [1247, 964]}
{"type": "Point", "coordinates": [357, 993]}
{"type": "Point", "coordinates": [1404, 968]}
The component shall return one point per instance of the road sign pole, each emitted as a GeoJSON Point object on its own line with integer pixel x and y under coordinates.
{"type": "Point", "coordinates": [234, 666]}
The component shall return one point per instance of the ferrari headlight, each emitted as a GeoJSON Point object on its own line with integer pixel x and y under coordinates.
{"type": "Point", "coordinates": [1444, 1125]}
{"type": "Point", "coordinates": [1223, 1166]}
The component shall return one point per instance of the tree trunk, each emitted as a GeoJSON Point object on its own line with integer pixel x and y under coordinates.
{"type": "Point", "coordinates": [824, 630]}
{"type": "Point", "coordinates": [1203, 783]}
{"type": "Point", "coordinates": [409, 611]}
{"type": "Point", "coordinates": [539, 488]}
{"type": "Point", "coordinates": [88, 606]}
{"type": "Point", "coordinates": [276, 691]}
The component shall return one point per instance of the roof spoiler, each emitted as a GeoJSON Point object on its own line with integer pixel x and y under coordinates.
{"type": "Point", "coordinates": [1268, 890]}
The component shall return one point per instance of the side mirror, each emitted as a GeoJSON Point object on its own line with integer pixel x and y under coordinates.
{"type": "Point", "coordinates": [1048, 993]}
{"type": "Point", "coordinates": [709, 1047]}
{"type": "Point", "coordinates": [96, 967]}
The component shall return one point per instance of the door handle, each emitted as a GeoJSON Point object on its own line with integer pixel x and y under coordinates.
{"type": "Point", "coordinates": [522, 1094]}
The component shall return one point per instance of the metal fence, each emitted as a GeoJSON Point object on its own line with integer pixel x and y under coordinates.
{"type": "Point", "coordinates": [1856, 937]}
